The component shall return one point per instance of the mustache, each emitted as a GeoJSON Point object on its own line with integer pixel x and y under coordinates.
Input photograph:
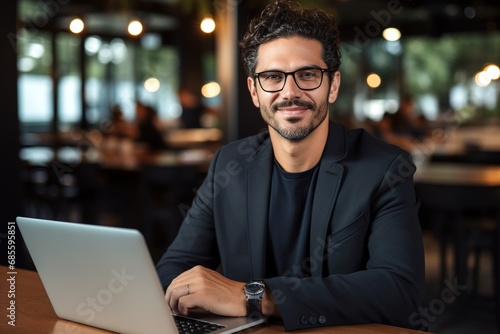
{"type": "Point", "coordinates": [289, 103]}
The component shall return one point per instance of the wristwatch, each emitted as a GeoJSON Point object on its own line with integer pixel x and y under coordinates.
{"type": "Point", "coordinates": [254, 291]}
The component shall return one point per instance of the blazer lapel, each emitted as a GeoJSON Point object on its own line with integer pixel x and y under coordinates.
{"type": "Point", "coordinates": [327, 189]}
{"type": "Point", "coordinates": [325, 196]}
{"type": "Point", "coordinates": [258, 185]}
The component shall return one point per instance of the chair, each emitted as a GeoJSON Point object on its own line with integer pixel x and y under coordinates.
{"type": "Point", "coordinates": [119, 196]}
{"type": "Point", "coordinates": [48, 191]}
{"type": "Point", "coordinates": [467, 216]}
{"type": "Point", "coordinates": [89, 183]}
{"type": "Point", "coordinates": [468, 213]}
{"type": "Point", "coordinates": [470, 156]}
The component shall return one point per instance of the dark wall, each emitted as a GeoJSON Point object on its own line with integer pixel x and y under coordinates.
{"type": "Point", "coordinates": [191, 43]}
{"type": "Point", "coordinates": [249, 119]}
{"type": "Point", "coordinates": [10, 183]}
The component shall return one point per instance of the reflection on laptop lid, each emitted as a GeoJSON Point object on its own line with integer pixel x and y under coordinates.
{"type": "Point", "coordinates": [104, 277]}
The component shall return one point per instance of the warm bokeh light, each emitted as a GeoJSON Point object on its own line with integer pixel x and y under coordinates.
{"type": "Point", "coordinates": [152, 85]}
{"type": "Point", "coordinates": [211, 89]}
{"type": "Point", "coordinates": [391, 34]}
{"type": "Point", "coordinates": [482, 79]}
{"type": "Point", "coordinates": [135, 28]}
{"type": "Point", "coordinates": [373, 80]}
{"type": "Point", "coordinates": [207, 25]}
{"type": "Point", "coordinates": [493, 71]}
{"type": "Point", "coordinates": [76, 26]}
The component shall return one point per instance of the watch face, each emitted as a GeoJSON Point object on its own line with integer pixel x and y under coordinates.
{"type": "Point", "coordinates": [254, 287]}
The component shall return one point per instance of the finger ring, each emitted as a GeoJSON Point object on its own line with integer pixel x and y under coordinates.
{"type": "Point", "coordinates": [187, 289]}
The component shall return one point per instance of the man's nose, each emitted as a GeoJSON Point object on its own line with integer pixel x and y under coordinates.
{"type": "Point", "coordinates": [291, 90]}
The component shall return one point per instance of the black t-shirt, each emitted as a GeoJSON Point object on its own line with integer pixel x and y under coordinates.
{"type": "Point", "coordinates": [290, 210]}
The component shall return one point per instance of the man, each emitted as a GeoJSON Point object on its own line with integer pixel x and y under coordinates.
{"type": "Point", "coordinates": [323, 219]}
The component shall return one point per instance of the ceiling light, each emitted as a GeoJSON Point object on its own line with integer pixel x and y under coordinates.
{"type": "Point", "coordinates": [493, 71]}
{"type": "Point", "coordinates": [373, 80]}
{"type": "Point", "coordinates": [152, 85]}
{"type": "Point", "coordinates": [76, 26]}
{"type": "Point", "coordinates": [391, 34]}
{"type": "Point", "coordinates": [135, 28]}
{"type": "Point", "coordinates": [207, 25]}
{"type": "Point", "coordinates": [211, 89]}
{"type": "Point", "coordinates": [482, 79]}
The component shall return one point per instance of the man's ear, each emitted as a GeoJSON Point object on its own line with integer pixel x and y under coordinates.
{"type": "Point", "coordinates": [334, 87]}
{"type": "Point", "coordinates": [252, 88]}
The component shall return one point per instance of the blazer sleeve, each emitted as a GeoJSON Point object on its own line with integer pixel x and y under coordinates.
{"type": "Point", "coordinates": [389, 289]}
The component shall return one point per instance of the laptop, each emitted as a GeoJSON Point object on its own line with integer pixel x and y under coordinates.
{"type": "Point", "coordinates": [104, 277]}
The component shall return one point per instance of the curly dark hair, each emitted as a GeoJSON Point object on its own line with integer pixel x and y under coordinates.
{"type": "Point", "coordinates": [285, 19]}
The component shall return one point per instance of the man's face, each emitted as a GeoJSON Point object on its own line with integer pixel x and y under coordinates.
{"type": "Point", "coordinates": [292, 112]}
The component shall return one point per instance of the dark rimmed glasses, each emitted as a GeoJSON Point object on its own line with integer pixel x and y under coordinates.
{"type": "Point", "coordinates": [305, 78]}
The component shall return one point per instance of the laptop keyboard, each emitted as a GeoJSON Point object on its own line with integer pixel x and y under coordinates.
{"type": "Point", "coordinates": [188, 325]}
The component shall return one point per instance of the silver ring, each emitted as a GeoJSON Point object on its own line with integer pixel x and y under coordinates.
{"type": "Point", "coordinates": [187, 289]}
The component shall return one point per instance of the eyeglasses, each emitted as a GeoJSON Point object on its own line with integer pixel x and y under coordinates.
{"type": "Point", "coordinates": [306, 79]}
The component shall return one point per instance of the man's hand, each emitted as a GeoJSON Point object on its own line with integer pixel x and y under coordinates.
{"type": "Point", "coordinates": [203, 288]}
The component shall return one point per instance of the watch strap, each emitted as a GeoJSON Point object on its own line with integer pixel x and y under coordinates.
{"type": "Point", "coordinates": [254, 307]}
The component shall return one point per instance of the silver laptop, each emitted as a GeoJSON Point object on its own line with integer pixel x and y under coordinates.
{"type": "Point", "coordinates": [104, 277]}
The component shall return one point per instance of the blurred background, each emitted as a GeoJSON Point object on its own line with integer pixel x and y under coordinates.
{"type": "Point", "coordinates": [112, 109]}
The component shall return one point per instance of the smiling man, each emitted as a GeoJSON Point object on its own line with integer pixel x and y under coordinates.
{"type": "Point", "coordinates": [308, 222]}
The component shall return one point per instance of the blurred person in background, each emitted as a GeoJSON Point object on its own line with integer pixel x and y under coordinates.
{"type": "Point", "coordinates": [120, 127]}
{"type": "Point", "coordinates": [148, 129]}
{"type": "Point", "coordinates": [406, 128]}
{"type": "Point", "coordinates": [192, 109]}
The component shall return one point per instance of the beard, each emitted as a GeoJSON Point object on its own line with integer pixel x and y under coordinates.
{"type": "Point", "coordinates": [290, 129]}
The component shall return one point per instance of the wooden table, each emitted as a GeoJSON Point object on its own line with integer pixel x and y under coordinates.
{"type": "Point", "coordinates": [127, 157]}
{"type": "Point", "coordinates": [459, 174]}
{"type": "Point", "coordinates": [112, 179]}
{"type": "Point", "coordinates": [34, 314]}
{"type": "Point", "coordinates": [194, 138]}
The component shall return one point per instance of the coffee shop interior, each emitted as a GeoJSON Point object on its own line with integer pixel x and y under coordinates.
{"type": "Point", "coordinates": [112, 111]}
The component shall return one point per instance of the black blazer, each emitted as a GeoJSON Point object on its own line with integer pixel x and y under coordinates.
{"type": "Point", "coordinates": [366, 249]}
